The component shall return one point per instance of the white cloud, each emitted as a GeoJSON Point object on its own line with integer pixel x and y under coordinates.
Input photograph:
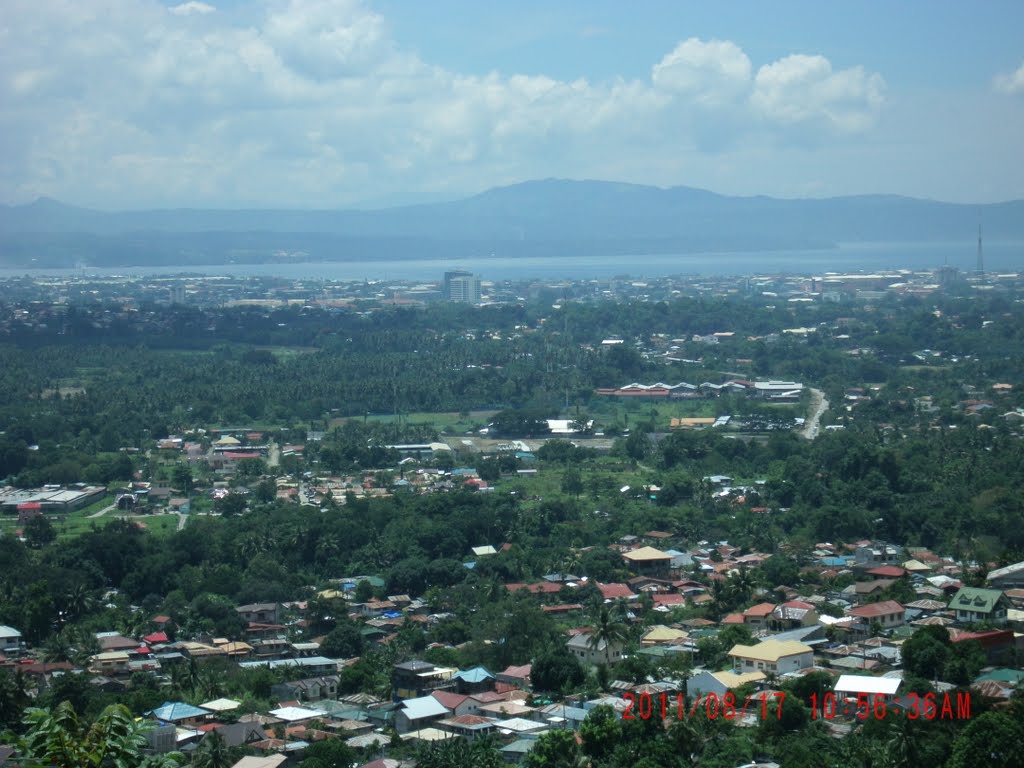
{"type": "Point", "coordinates": [191, 7]}
{"type": "Point", "coordinates": [312, 102]}
{"type": "Point", "coordinates": [710, 73]}
{"type": "Point", "coordinates": [1010, 83]}
{"type": "Point", "coordinates": [800, 89]}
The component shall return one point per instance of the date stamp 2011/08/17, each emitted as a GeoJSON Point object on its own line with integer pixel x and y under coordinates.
{"type": "Point", "coordinates": [644, 706]}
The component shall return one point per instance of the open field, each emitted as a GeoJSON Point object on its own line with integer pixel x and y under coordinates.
{"type": "Point", "coordinates": [452, 422]}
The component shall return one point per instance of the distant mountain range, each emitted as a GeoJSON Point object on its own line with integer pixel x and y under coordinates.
{"type": "Point", "coordinates": [535, 218]}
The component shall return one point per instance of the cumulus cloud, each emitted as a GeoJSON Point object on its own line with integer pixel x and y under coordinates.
{"type": "Point", "coordinates": [710, 73]}
{"type": "Point", "coordinates": [1010, 83]}
{"type": "Point", "coordinates": [312, 102]}
{"type": "Point", "coordinates": [800, 89]}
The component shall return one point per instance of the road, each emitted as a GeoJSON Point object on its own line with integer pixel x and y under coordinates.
{"type": "Point", "coordinates": [818, 407]}
{"type": "Point", "coordinates": [273, 455]}
{"type": "Point", "coordinates": [182, 519]}
{"type": "Point", "coordinates": [103, 511]}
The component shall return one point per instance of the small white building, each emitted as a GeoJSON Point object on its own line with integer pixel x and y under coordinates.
{"type": "Point", "coordinates": [10, 639]}
{"type": "Point", "coordinates": [602, 653]}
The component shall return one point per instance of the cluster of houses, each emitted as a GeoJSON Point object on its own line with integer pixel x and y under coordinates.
{"type": "Point", "coordinates": [848, 632]}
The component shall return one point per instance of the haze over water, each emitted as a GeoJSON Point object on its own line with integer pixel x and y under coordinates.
{"type": "Point", "coordinates": [999, 256]}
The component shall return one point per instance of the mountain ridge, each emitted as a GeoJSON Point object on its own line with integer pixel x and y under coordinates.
{"type": "Point", "coordinates": [538, 217]}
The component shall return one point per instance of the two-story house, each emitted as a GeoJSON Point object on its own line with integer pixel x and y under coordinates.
{"type": "Point", "coordinates": [974, 605]}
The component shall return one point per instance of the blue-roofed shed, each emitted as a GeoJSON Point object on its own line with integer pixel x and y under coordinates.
{"type": "Point", "coordinates": [475, 680]}
{"type": "Point", "coordinates": [834, 562]}
{"type": "Point", "coordinates": [178, 712]}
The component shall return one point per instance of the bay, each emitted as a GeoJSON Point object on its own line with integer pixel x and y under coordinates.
{"type": "Point", "coordinates": [1007, 256]}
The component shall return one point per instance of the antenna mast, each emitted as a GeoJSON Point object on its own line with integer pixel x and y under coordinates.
{"type": "Point", "coordinates": [981, 256]}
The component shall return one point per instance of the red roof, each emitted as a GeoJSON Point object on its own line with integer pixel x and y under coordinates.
{"type": "Point", "coordinates": [888, 571]}
{"type": "Point", "coordinates": [449, 700]}
{"type": "Point", "coordinates": [30, 505]}
{"type": "Point", "coordinates": [520, 672]}
{"type": "Point", "coordinates": [798, 604]}
{"type": "Point", "coordinates": [670, 598]}
{"type": "Point", "coordinates": [615, 591]}
{"type": "Point", "coordinates": [873, 610]}
{"type": "Point", "coordinates": [761, 609]}
{"type": "Point", "coordinates": [993, 638]}
{"type": "Point", "coordinates": [157, 637]}
{"type": "Point", "coordinates": [733, 618]}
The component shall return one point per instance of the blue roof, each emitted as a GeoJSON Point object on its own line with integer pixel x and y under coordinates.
{"type": "Point", "coordinates": [471, 565]}
{"type": "Point", "coordinates": [839, 561]}
{"type": "Point", "coordinates": [172, 711]}
{"type": "Point", "coordinates": [464, 471]}
{"type": "Point", "coordinates": [392, 614]}
{"type": "Point", "coordinates": [474, 675]}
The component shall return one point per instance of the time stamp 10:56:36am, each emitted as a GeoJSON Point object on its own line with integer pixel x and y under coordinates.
{"type": "Point", "coordinates": [929, 706]}
{"type": "Point", "coordinates": [825, 706]}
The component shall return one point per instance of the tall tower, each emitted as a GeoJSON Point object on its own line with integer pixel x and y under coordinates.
{"type": "Point", "coordinates": [981, 255]}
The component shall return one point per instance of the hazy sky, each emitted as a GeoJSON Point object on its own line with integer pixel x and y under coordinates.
{"type": "Point", "coordinates": [331, 103]}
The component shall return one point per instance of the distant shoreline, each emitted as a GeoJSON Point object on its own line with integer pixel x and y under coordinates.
{"type": "Point", "coordinates": [870, 256]}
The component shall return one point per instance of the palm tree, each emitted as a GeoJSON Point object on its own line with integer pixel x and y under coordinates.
{"type": "Point", "coordinates": [57, 648]}
{"type": "Point", "coordinates": [213, 752]}
{"type": "Point", "coordinates": [606, 630]}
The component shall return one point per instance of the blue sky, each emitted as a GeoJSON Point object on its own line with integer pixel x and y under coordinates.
{"type": "Point", "coordinates": [333, 103]}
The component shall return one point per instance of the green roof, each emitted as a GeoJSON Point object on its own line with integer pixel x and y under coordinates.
{"type": "Point", "coordinates": [976, 600]}
{"type": "Point", "coordinates": [1002, 675]}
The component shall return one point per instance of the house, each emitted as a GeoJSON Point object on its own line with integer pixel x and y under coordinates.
{"type": "Point", "coordinates": [659, 634]}
{"type": "Point", "coordinates": [415, 679]}
{"type": "Point", "coordinates": [601, 652]}
{"type": "Point", "coordinates": [791, 615]}
{"type": "Point", "coordinates": [868, 555]}
{"type": "Point", "coordinates": [888, 614]}
{"type": "Point", "coordinates": [848, 689]}
{"type": "Point", "coordinates": [420, 712]}
{"type": "Point", "coordinates": [268, 761]}
{"type": "Point", "coordinates": [977, 605]}
{"type": "Point", "coordinates": [1009, 577]}
{"type": "Point", "coordinates": [772, 656]}
{"type": "Point", "coordinates": [470, 727]}
{"type": "Point", "coordinates": [647, 560]}
{"type": "Point", "coordinates": [887, 572]}
{"type": "Point", "coordinates": [310, 689]}
{"type": "Point", "coordinates": [615, 591]}
{"type": "Point", "coordinates": [10, 639]}
{"type": "Point", "coordinates": [260, 613]}
{"type": "Point", "coordinates": [719, 683]}
{"type": "Point", "coordinates": [109, 663]}
{"type": "Point", "coordinates": [517, 676]}
{"type": "Point", "coordinates": [179, 713]}
{"type": "Point", "coordinates": [240, 734]}
{"type": "Point", "coordinates": [757, 616]}
{"type": "Point", "coordinates": [473, 680]}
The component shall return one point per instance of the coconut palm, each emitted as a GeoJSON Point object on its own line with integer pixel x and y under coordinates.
{"type": "Point", "coordinates": [606, 630]}
{"type": "Point", "coordinates": [213, 752]}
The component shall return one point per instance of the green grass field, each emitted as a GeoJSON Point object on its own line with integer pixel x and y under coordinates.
{"type": "Point", "coordinates": [451, 422]}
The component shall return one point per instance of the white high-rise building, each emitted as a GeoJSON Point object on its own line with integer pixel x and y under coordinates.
{"type": "Point", "coordinates": [462, 287]}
